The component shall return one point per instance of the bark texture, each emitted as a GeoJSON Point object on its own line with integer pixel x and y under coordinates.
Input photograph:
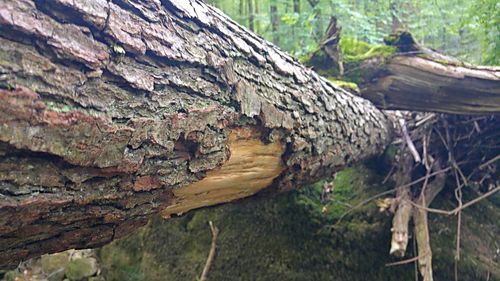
{"type": "Point", "coordinates": [423, 84]}
{"type": "Point", "coordinates": [416, 78]}
{"type": "Point", "coordinates": [113, 111]}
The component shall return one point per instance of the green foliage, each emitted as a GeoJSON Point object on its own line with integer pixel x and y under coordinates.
{"type": "Point", "coordinates": [57, 107]}
{"type": "Point", "coordinates": [483, 19]}
{"type": "Point", "coordinates": [467, 29]}
{"type": "Point", "coordinates": [80, 269]}
{"type": "Point", "coordinates": [290, 19]}
{"type": "Point", "coordinates": [124, 260]}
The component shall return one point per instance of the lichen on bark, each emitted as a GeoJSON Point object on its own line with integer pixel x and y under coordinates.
{"type": "Point", "coordinates": [127, 101]}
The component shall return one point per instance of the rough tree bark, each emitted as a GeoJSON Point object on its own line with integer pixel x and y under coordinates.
{"type": "Point", "coordinates": [416, 78]}
{"type": "Point", "coordinates": [113, 111]}
{"type": "Point", "coordinates": [420, 79]}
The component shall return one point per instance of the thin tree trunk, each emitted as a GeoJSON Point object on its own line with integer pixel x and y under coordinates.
{"type": "Point", "coordinates": [111, 114]}
{"type": "Point", "coordinates": [250, 16]}
{"type": "Point", "coordinates": [318, 25]}
{"type": "Point", "coordinates": [274, 22]}
{"type": "Point", "coordinates": [395, 22]}
{"type": "Point", "coordinates": [296, 6]}
{"type": "Point", "coordinates": [241, 9]}
{"type": "Point", "coordinates": [256, 19]}
{"type": "Point", "coordinates": [296, 10]}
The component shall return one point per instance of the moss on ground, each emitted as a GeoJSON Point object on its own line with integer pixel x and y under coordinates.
{"type": "Point", "coordinates": [283, 238]}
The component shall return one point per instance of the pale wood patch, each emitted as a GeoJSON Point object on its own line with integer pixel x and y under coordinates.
{"type": "Point", "coordinates": [251, 167]}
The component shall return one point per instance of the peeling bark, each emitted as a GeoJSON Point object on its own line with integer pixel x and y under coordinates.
{"type": "Point", "coordinates": [113, 111]}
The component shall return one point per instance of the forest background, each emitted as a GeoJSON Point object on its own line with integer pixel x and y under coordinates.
{"type": "Point", "coordinates": [466, 29]}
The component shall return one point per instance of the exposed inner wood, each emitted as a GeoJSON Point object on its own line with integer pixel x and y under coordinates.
{"type": "Point", "coordinates": [251, 167]}
{"type": "Point", "coordinates": [108, 114]}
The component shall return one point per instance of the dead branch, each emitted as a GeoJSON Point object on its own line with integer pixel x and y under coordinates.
{"type": "Point", "coordinates": [378, 195]}
{"type": "Point", "coordinates": [489, 162]}
{"type": "Point", "coordinates": [211, 254]}
{"type": "Point", "coordinates": [361, 204]}
{"type": "Point", "coordinates": [402, 215]}
{"type": "Point", "coordinates": [409, 142]}
{"type": "Point", "coordinates": [456, 210]}
{"type": "Point", "coordinates": [407, 261]}
{"type": "Point", "coordinates": [429, 192]}
{"type": "Point", "coordinates": [458, 196]}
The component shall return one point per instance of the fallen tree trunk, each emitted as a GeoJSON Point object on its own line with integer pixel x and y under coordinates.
{"type": "Point", "coordinates": [111, 112]}
{"type": "Point", "coordinates": [420, 79]}
{"type": "Point", "coordinates": [407, 76]}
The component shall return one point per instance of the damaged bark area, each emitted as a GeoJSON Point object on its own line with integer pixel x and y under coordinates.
{"type": "Point", "coordinates": [113, 111]}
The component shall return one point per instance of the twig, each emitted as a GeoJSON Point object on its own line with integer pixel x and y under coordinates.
{"type": "Point", "coordinates": [388, 176]}
{"type": "Point", "coordinates": [402, 215]}
{"type": "Point", "coordinates": [456, 210]}
{"type": "Point", "coordinates": [424, 177]}
{"type": "Point", "coordinates": [458, 195]}
{"type": "Point", "coordinates": [211, 254]}
{"type": "Point", "coordinates": [414, 259]}
{"type": "Point", "coordinates": [362, 203]}
{"type": "Point", "coordinates": [411, 145]}
{"type": "Point", "coordinates": [459, 171]}
{"type": "Point", "coordinates": [415, 265]}
{"type": "Point", "coordinates": [333, 200]}
{"type": "Point", "coordinates": [491, 161]}
{"type": "Point", "coordinates": [425, 145]}
{"type": "Point", "coordinates": [425, 119]}
{"type": "Point", "coordinates": [428, 193]}
{"type": "Point", "coordinates": [442, 139]}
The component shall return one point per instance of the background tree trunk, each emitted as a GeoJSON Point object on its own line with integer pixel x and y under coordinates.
{"type": "Point", "coordinates": [111, 112]}
{"type": "Point", "coordinates": [256, 18]}
{"type": "Point", "coordinates": [250, 16]}
{"type": "Point", "coordinates": [275, 22]}
{"type": "Point", "coordinates": [296, 6]}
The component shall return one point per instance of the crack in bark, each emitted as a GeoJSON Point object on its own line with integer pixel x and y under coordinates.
{"type": "Point", "coordinates": [181, 80]}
